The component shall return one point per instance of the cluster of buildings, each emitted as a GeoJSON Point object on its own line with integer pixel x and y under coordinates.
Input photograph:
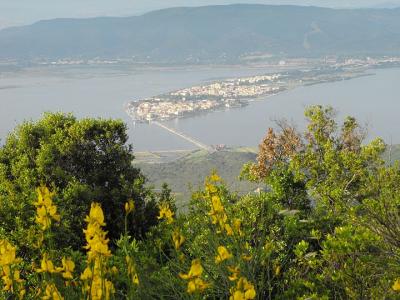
{"type": "Point", "coordinates": [230, 93]}
{"type": "Point", "coordinates": [257, 79]}
{"type": "Point", "coordinates": [249, 87]}
{"type": "Point", "coordinates": [368, 61]}
{"type": "Point", "coordinates": [148, 110]}
{"type": "Point", "coordinates": [79, 61]}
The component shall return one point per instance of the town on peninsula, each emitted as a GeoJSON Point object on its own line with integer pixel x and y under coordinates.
{"type": "Point", "coordinates": [238, 92]}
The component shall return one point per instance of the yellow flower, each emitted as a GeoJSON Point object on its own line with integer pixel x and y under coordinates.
{"type": "Point", "coordinates": [109, 289]}
{"type": "Point", "coordinates": [129, 206]}
{"type": "Point", "coordinates": [8, 283]}
{"type": "Point", "coordinates": [45, 210]}
{"type": "Point", "coordinates": [9, 280]}
{"type": "Point", "coordinates": [250, 293]}
{"type": "Point", "coordinates": [396, 285]}
{"type": "Point", "coordinates": [7, 254]}
{"type": "Point", "coordinates": [277, 270]}
{"type": "Point", "coordinates": [96, 241]}
{"type": "Point", "coordinates": [223, 254]}
{"type": "Point", "coordinates": [96, 286]}
{"type": "Point", "coordinates": [216, 205]}
{"type": "Point", "coordinates": [10, 275]}
{"type": "Point", "coordinates": [44, 195]}
{"type": "Point", "coordinates": [51, 293]}
{"type": "Point", "coordinates": [96, 215]}
{"type": "Point", "coordinates": [214, 177]}
{"type": "Point", "coordinates": [135, 279]}
{"type": "Point", "coordinates": [67, 268]}
{"type": "Point", "coordinates": [195, 270]}
{"type": "Point", "coordinates": [17, 276]}
{"type": "Point", "coordinates": [46, 265]}
{"type": "Point", "coordinates": [22, 293]}
{"type": "Point", "coordinates": [243, 290]}
{"type": "Point", "coordinates": [42, 218]}
{"type": "Point", "coordinates": [228, 229]}
{"type": "Point", "coordinates": [197, 285]}
{"type": "Point", "coordinates": [236, 226]}
{"type": "Point", "coordinates": [132, 270]}
{"type": "Point", "coordinates": [166, 213]}
{"type": "Point", "coordinates": [235, 273]}
{"type": "Point", "coordinates": [218, 215]}
{"type": "Point", "coordinates": [178, 239]}
{"type": "Point", "coordinates": [87, 274]}
{"type": "Point", "coordinates": [210, 188]}
{"type": "Point", "coordinates": [237, 295]}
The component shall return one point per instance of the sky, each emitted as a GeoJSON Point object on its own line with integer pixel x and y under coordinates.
{"type": "Point", "coordinates": [19, 12]}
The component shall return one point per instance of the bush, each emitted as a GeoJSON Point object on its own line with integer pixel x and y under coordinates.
{"type": "Point", "coordinates": [80, 160]}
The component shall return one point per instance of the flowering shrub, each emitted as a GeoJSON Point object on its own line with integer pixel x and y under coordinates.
{"type": "Point", "coordinates": [326, 227]}
{"type": "Point", "coordinates": [225, 247]}
{"type": "Point", "coordinates": [58, 278]}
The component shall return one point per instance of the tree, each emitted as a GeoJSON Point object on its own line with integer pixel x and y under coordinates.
{"type": "Point", "coordinates": [347, 199]}
{"type": "Point", "coordinates": [81, 161]}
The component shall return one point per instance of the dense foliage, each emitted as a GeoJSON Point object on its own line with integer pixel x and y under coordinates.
{"type": "Point", "coordinates": [326, 226]}
{"type": "Point", "coordinates": [81, 161]}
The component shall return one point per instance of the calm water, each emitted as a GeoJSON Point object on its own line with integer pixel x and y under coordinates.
{"type": "Point", "coordinates": [102, 92]}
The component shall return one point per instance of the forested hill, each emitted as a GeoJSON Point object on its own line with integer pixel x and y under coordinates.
{"type": "Point", "coordinates": [208, 33]}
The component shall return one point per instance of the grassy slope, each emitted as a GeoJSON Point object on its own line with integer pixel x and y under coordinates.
{"type": "Point", "coordinates": [187, 173]}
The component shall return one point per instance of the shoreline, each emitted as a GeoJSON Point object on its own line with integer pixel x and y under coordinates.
{"type": "Point", "coordinates": [357, 73]}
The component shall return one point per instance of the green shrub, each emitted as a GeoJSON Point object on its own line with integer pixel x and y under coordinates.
{"type": "Point", "coordinates": [81, 161]}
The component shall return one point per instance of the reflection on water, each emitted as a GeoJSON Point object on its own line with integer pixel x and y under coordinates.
{"type": "Point", "coordinates": [373, 100]}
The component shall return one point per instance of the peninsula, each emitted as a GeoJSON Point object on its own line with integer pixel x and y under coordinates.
{"type": "Point", "coordinates": [238, 92]}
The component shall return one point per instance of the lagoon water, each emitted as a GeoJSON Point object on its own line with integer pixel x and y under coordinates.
{"type": "Point", "coordinates": [102, 92]}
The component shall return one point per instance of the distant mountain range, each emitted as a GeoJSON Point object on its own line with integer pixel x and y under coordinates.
{"type": "Point", "coordinates": [210, 33]}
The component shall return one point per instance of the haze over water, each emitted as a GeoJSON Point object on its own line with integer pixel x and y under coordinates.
{"type": "Point", "coordinates": [100, 92]}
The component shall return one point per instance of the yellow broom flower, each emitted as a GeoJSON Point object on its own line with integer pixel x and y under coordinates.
{"type": "Point", "coordinates": [178, 239]}
{"type": "Point", "coordinates": [243, 290]}
{"type": "Point", "coordinates": [195, 283]}
{"type": "Point", "coordinates": [46, 265]}
{"type": "Point", "coordinates": [396, 285]}
{"type": "Point", "coordinates": [223, 254]}
{"type": "Point", "coordinates": [235, 273]}
{"type": "Point", "coordinates": [46, 211]}
{"type": "Point", "coordinates": [166, 213]}
{"type": "Point", "coordinates": [129, 206]}
{"type": "Point", "coordinates": [67, 268]}
{"type": "Point", "coordinates": [51, 293]}
{"type": "Point", "coordinates": [195, 270]}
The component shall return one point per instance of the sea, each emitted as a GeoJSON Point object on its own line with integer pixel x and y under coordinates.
{"type": "Point", "coordinates": [101, 92]}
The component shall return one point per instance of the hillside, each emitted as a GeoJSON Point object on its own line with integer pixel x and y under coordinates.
{"type": "Point", "coordinates": [187, 173]}
{"type": "Point", "coordinates": [210, 33]}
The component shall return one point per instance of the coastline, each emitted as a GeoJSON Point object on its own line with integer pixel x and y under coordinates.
{"type": "Point", "coordinates": [245, 101]}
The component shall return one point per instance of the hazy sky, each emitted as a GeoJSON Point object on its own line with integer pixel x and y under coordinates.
{"type": "Point", "coordinates": [15, 12]}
